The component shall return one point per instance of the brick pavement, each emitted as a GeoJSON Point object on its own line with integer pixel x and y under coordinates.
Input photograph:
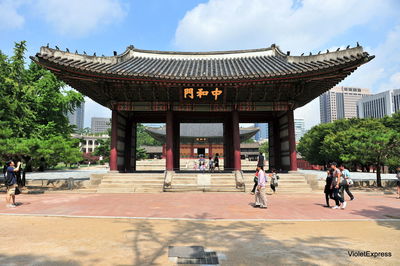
{"type": "Point", "coordinates": [205, 206]}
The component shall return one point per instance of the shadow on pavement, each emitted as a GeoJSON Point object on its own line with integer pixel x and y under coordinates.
{"type": "Point", "coordinates": [386, 212]}
{"type": "Point", "coordinates": [24, 259]}
{"type": "Point", "coordinates": [237, 243]}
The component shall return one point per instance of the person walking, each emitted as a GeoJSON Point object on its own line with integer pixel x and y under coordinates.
{"type": "Point", "coordinates": [253, 191]}
{"type": "Point", "coordinates": [274, 180]}
{"type": "Point", "coordinates": [327, 189]}
{"type": "Point", "coordinates": [10, 181]}
{"type": "Point", "coordinates": [335, 187]}
{"type": "Point", "coordinates": [346, 182]}
{"type": "Point", "coordinates": [261, 200]}
{"type": "Point", "coordinates": [398, 182]}
{"type": "Point", "coordinates": [210, 164]}
{"type": "Point", "coordinates": [216, 162]}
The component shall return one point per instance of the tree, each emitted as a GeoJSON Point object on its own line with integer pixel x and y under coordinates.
{"type": "Point", "coordinates": [33, 112]}
{"type": "Point", "coordinates": [362, 142]}
{"type": "Point", "coordinates": [103, 149]}
{"type": "Point", "coordinates": [370, 143]}
{"type": "Point", "coordinates": [264, 149]}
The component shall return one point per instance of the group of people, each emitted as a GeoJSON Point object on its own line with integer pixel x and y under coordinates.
{"type": "Point", "coordinates": [213, 163]}
{"type": "Point", "coordinates": [337, 182]}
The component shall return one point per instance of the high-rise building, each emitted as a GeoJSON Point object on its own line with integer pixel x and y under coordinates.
{"type": "Point", "coordinates": [340, 102]}
{"type": "Point", "coordinates": [299, 128]}
{"type": "Point", "coordinates": [100, 124]}
{"type": "Point", "coordinates": [76, 118]}
{"type": "Point", "coordinates": [379, 105]}
{"type": "Point", "coordinates": [263, 133]}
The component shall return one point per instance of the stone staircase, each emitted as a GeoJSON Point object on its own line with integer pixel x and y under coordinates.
{"type": "Point", "coordinates": [203, 182]}
{"type": "Point", "coordinates": [291, 183]}
{"type": "Point", "coordinates": [131, 183]}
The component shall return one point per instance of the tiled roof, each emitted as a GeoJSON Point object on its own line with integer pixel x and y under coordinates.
{"type": "Point", "coordinates": [213, 132]}
{"type": "Point", "coordinates": [207, 66]}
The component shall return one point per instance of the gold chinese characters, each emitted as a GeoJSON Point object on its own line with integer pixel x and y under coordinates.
{"type": "Point", "coordinates": [200, 93]}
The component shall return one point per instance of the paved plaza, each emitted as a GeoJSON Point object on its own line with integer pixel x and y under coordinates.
{"type": "Point", "coordinates": [137, 229]}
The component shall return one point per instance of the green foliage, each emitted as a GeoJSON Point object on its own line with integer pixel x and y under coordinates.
{"type": "Point", "coordinates": [141, 154]}
{"type": "Point", "coordinates": [103, 149]}
{"type": "Point", "coordinates": [264, 148]}
{"type": "Point", "coordinates": [33, 121]}
{"type": "Point", "coordinates": [355, 142]}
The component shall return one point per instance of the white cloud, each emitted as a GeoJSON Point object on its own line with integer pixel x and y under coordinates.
{"type": "Point", "coordinates": [233, 24]}
{"type": "Point", "coordinates": [311, 25]}
{"type": "Point", "coordinates": [9, 16]}
{"type": "Point", "coordinates": [79, 17]}
{"type": "Point", "coordinates": [382, 73]}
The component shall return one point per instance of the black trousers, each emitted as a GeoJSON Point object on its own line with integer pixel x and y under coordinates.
{"type": "Point", "coordinates": [347, 188]}
{"type": "Point", "coordinates": [337, 197]}
{"type": "Point", "coordinates": [254, 187]}
{"type": "Point", "coordinates": [272, 187]}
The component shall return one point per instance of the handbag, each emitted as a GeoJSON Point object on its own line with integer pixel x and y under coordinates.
{"type": "Point", "coordinates": [255, 179]}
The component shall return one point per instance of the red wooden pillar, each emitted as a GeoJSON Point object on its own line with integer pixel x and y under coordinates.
{"type": "Point", "coordinates": [292, 141]}
{"type": "Point", "coordinates": [128, 146]}
{"type": "Point", "coordinates": [176, 144]}
{"type": "Point", "coordinates": [114, 140]}
{"type": "Point", "coordinates": [169, 151]}
{"type": "Point", "coordinates": [236, 141]}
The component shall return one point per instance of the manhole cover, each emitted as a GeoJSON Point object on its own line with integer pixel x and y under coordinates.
{"type": "Point", "coordinates": [194, 255]}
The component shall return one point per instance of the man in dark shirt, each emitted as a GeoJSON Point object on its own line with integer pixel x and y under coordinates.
{"type": "Point", "coordinates": [11, 183]}
{"type": "Point", "coordinates": [260, 162]}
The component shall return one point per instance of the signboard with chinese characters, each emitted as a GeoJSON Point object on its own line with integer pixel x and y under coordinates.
{"type": "Point", "coordinates": [202, 94]}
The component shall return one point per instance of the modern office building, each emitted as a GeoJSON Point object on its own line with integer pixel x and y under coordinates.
{"type": "Point", "coordinates": [340, 102]}
{"type": "Point", "coordinates": [379, 105]}
{"type": "Point", "coordinates": [76, 118]}
{"type": "Point", "coordinates": [299, 128]}
{"type": "Point", "coordinates": [262, 134]}
{"type": "Point", "coordinates": [100, 124]}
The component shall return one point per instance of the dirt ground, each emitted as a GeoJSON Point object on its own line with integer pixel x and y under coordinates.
{"type": "Point", "coordinates": [30, 240]}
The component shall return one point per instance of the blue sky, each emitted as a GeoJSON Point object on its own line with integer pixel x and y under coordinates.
{"type": "Point", "coordinates": [103, 26]}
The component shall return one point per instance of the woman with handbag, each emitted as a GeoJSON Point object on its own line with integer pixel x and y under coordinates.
{"type": "Point", "coordinates": [253, 191]}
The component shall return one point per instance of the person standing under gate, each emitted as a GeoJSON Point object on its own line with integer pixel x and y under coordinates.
{"type": "Point", "coordinates": [346, 182]}
{"type": "Point", "coordinates": [216, 162]}
{"type": "Point", "coordinates": [335, 187]}
{"type": "Point", "coordinates": [260, 161]}
{"type": "Point", "coordinates": [261, 199]}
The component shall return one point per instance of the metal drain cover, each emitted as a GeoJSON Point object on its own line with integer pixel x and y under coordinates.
{"type": "Point", "coordinates": [186, 252]}
{"type": "Point", "coordinates": [193, 255]}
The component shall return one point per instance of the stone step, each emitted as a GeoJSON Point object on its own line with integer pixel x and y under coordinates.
{"type": "Point", "coordinates": [129, 186]}
{"type": "Point", "coordinates": [130, 181]}
{"type": "Point", "coordinates": [182, 188]}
